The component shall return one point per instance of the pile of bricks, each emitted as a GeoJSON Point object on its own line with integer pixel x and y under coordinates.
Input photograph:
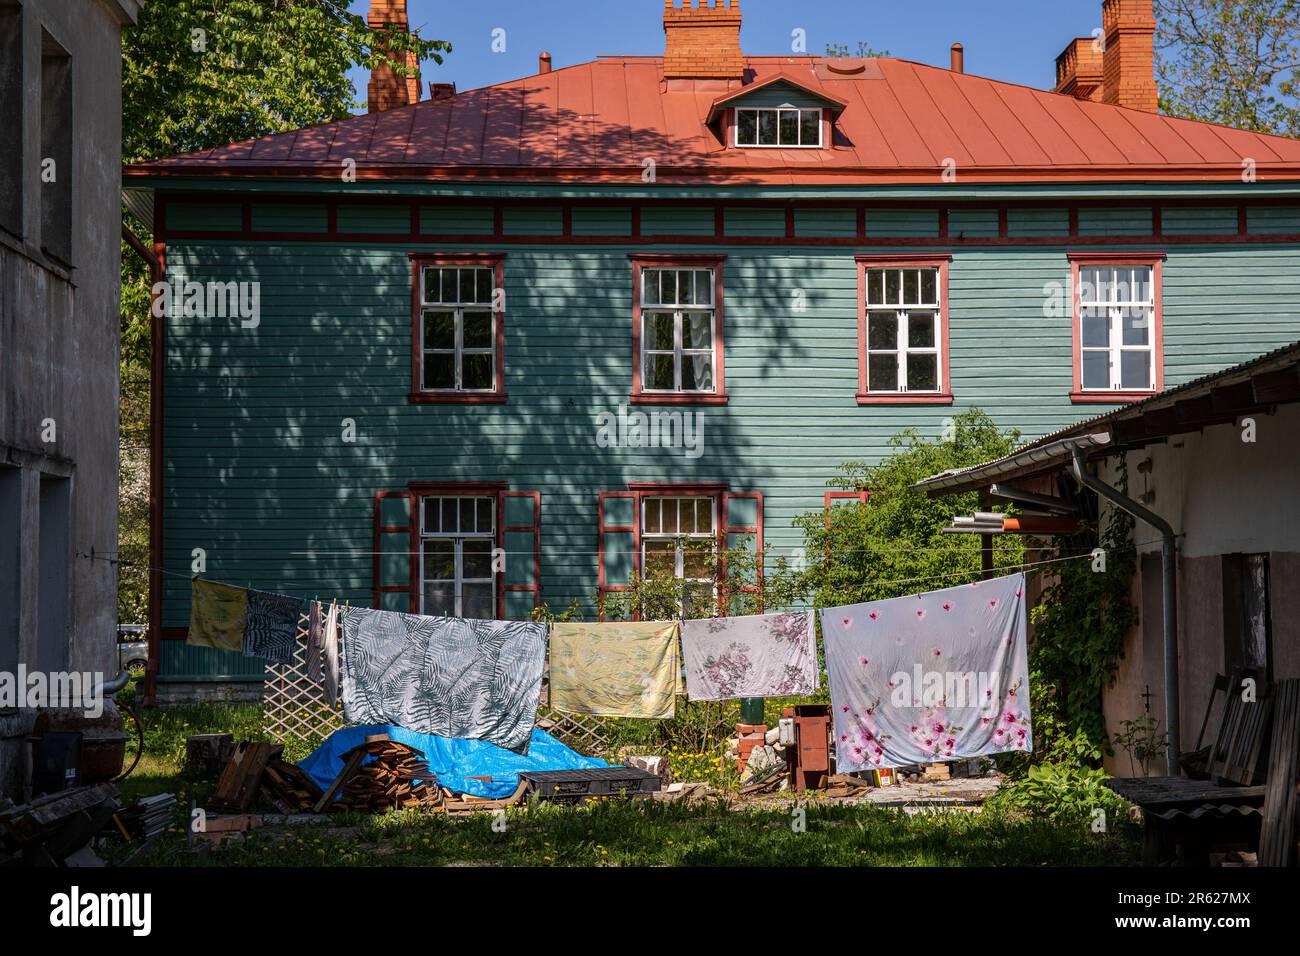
{"type": "Point", "coordinates": [749, 737]}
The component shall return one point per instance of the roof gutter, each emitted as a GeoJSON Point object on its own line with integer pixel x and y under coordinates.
{"type": "Point", "coordinates": [1169, 599]}
{"type": "Point", "coordinates": [1039, 457]}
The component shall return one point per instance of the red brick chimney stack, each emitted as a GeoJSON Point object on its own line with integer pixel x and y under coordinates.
{"type": "Point", "coordinates": [1119, 66]}
{"type": "Point", "coordinates": [387, 89]}
{"type": "Point", "coordinates": [1128, 63]}
{"type": "Point", "coordinates": [1078, 69]}
{"type": "Point", "coordinates": [703, 40]}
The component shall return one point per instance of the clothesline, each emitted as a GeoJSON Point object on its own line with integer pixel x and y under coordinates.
{"type": "Point", "coordinates": [188, 575]}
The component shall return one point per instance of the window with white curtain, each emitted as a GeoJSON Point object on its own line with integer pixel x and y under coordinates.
{"type": "Point", "coordinates": [678, 330]}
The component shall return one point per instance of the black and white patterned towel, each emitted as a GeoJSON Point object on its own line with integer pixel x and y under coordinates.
{"type": "Point", "coordinates": [272, 630]}
{"type": "Point", "coordinates": [477, 680]}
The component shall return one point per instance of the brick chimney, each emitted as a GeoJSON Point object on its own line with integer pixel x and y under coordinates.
{"type": "Point", "coordinates": [387, 89]}
{"type": "Point", "coordinates": [1128, 63]}
{"type": "Point", "coordinates": [703, 40]}
{"type": "Point", "coordinates": [1078, 69]}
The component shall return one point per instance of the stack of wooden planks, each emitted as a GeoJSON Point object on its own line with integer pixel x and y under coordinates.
{"type": "Point", "coordinates": [53, 827]}
{"type": "Point", "coordinates": [396, 778]}
{"type": "Point", "coordinates": [288, 788]}
{"type": "Point", "coordinates": [148, 816]}
{"type": "Point", "coordinates": [241, 778]}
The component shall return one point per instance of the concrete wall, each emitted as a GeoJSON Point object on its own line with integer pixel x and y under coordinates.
{"type": "Point", "coordinates": [59, 321]}
{"type": "Point", "coordinates": [1225, 496]}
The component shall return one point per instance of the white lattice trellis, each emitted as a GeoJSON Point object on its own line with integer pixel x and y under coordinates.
{"type": "Point", "coordinates": [293, 705]}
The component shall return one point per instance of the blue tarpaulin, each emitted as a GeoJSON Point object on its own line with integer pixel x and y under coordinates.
{"type": "Point", "coordinates": [453, 761]}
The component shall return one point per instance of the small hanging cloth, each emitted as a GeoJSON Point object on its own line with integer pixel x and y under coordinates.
{"type": "Point", "coordinates": [315, 640]}
{"type": "Point", "coordinates": [272, 626]}
{"type": "Point", "coordinates": [616, 669]}
{"type": "Point", "coordinates": [218, 616]}
{"type": "Point", "coordinates": [330, 655]}
{"type": "Point", "coordinates": [760, 655]}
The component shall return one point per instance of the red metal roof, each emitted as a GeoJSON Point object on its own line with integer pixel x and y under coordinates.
{"type": "Point", "coordinates": [598, 121]}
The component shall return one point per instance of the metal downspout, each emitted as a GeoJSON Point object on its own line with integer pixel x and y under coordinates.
{"type": "Point", "coordinates": [1169, 574]}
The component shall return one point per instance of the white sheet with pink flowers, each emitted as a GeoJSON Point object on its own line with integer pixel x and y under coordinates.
{"type": "Point", "coordinates": [936, 677]}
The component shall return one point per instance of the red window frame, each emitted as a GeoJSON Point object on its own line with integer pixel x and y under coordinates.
{"type": "Point", "coordinates": [718, 396]}
{"type": "Point", "coordinates": [419, 396]}
{"type": "Point", "coordinates": [638, 491]}
{"type": "Point", "coordinates": [418, 489]}
{"type": "Point", "coordinates": [828, 502]}
{"type": "Point", "coordinates": [1079, 260]}
{"type": "Point", "coordinates": [944, 395]}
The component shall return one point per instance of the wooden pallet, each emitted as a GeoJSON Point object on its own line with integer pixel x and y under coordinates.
{"type": "Point", "coordinates": [1277, 837]}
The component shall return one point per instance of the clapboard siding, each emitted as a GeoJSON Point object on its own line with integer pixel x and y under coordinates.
{"type": "Point", "coordinates": [257, 475]}
{"type": "Point", "coordinates": [1031, 221]}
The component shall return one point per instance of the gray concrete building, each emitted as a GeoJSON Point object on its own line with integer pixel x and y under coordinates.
{"type": "Point", "coordinates": [60, 216]}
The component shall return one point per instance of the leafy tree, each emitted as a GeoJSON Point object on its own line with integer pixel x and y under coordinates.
{"type": "Point", "coordinates": [894, 543]}
{"type": "Point", "coordinates": [659, 595]}
{"type": "Point", "coordinates": [1080, 624]}
{"type": "Point", "coordinates": [863, 50]}
{"type": "Point", "coordinates": [197, 74]}
{"type": "Point", "coordinates": [1231, 62]}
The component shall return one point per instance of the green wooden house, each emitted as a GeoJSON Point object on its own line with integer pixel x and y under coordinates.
{"type": "Point", "coordinates": [602, 315]}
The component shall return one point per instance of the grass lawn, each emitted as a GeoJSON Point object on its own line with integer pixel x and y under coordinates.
{"type": "Point", "coordinates": [610, 833]}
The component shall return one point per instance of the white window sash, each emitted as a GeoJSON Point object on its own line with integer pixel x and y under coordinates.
{"type": "Point", "coordinates": [903, 351]}
{"type": "Point", "coordinates": [679, 351]}
{"type": "Point", "coordinates": [490, 533]}
{"type": "Point", "coordinates": [901, 347]}
{"type": "Point", "coordinates": [778, 110]}
{"type": "Point", "coordinates": [457, 540]}
{"type": "Point", "coordinates": [459, 580]}
{"type": "Point", "coordinates": [459, 350]}
{"type": "Point", "coordinates": [678, 539]}
{"type": "Point", "coordinates": [1115, 348]}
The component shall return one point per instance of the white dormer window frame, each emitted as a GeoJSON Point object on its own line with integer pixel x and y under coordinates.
{"type": "Point", "coordinates": [771, 121]}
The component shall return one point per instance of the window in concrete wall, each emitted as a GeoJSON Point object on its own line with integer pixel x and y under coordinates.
{"type": "Point", "coordinates": [11, 116]}
{"type": "Point", "coordinates": [10, 577]}
{"type": "Point", "coordinates": [1247, 617]}
{"type": "Point", "coordinates": [56, 150]}
{"type": "Point", "coordinates": [54, 575]}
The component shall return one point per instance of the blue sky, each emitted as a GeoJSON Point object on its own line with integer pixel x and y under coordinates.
{"type": "Point", "coordinates": [1013, 40]}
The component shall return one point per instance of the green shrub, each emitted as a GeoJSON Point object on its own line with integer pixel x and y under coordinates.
{"type": "Point", "coordinates": [1063, 793]}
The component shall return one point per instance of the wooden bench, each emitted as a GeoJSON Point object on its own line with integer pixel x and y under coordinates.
{"type": "Point", "coordinates": [1182, 816]}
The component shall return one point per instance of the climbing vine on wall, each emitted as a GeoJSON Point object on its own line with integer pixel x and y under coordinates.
{"type": "Point", "coordinates": [1080, 624]}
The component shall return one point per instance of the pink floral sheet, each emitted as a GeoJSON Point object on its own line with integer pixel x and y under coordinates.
{"type": "Point", "coordinates": [925, 679]}
{"type": "Point", "coordinates": [762, 655]}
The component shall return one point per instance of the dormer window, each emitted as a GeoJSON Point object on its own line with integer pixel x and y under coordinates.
{"type": "Point", "coordinates": [786, 127]}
